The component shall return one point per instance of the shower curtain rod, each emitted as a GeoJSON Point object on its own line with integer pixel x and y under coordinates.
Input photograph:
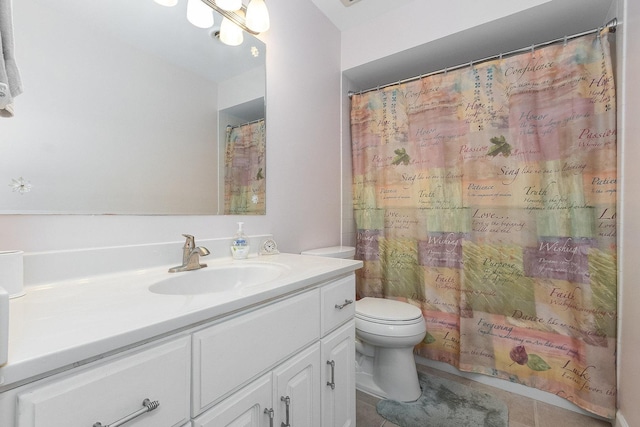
{"type": "Point", "coordinates": [244, 124]}
{"type": "Point", "coordinates": [610, 26]}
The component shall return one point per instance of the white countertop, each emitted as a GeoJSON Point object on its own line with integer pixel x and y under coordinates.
{"type": "Point", "coordinates": [64, 323]}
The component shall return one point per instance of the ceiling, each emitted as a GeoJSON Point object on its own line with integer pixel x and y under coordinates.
{"type": "Point", "coordinates": [549, 20]}
{"type": "Point", "coordinates": [358, 11]}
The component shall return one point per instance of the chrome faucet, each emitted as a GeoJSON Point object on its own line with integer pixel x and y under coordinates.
{"type": "Point", "coordinates": [191, 255]}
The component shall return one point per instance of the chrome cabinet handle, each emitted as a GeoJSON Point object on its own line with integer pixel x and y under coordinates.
{"type": "Point", "coordinates": [148, 406]}
{"type": "Point", "coordinates": [287, 402]}
{"type": "Point", "coordinates": [346, 303]}
{"type": "Point", "coordinates": [332, 383]}
{"type": "Point", "coordinates": [270, 413]}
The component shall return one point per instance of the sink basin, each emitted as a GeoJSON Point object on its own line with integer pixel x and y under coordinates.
{"type": "Point", "coordinates": [217, 279]}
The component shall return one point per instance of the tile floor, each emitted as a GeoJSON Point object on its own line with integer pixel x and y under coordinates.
{"type": "Point", "coordinates": [523, 412]}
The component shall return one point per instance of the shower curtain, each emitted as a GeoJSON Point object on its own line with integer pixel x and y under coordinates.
{"type": "Point", "coordinates": [244, 177]}
{"type": "Point", "coordinates": [486, 196]}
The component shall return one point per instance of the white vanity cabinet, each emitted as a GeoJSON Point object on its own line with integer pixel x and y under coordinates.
{"type": "Point", "coordinates": [229, 354]}
{"type": "Point", "coordinates": [339, 389]}
{"type": "Point", "coordinates": [296, 387]}
{"type": "Point", "coordinates": [250, 407]}
{"type": "Point", "coordinates": [338, 354]}
{"type": "Point", "coordinates": [312, 388]}
{"type": "Point", "coordinates": [113, 390]}
{"type": "Point", "coordinates": [288, 360]}
{"type": "Point", "coordinates": [288, 395]}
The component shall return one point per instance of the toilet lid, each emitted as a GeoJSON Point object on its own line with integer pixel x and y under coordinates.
{"type": "Point", "coordinates": [387, 310]}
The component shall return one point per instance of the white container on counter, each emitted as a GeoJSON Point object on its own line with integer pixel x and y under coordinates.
{"type": "Point", "coordinates": [4, 327]}
{"type": "Point", "coordinates": [12, 273]}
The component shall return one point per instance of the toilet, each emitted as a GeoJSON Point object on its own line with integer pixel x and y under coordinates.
{"type": "Point", "coordinates": [386, 333]}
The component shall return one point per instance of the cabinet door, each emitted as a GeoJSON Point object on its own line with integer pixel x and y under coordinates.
{"type": "Point", "coordinates": [249, 407]}
{"type": "Point", "coordinates": [338, 379]}
{"type": "Point", "coordinates": [113, 390]}
{"type": "Point", "coordinates": [296, 389]}
{"type": "Point", "coordinates": [230, 354]}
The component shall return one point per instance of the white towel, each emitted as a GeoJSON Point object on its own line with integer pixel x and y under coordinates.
{"type": "Point", "coordinates": [10, 84]}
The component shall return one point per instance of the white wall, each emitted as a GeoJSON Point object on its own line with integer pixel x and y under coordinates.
{"type": "Point", "coordinates": [420, 22]}
{"type": "Point", "coordinates": [629, 229]}
{"type": "Point", "coordinates": [303, 119]}
{"type": "Point", "coordinates": [303, 156]}
{"type": "Point", "coordinates": [348, 232]}
{"type": "Point", "coordinates": [243, 88]}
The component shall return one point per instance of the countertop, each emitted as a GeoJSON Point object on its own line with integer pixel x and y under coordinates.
{"type": "Point", "coordinates": [59, 325]}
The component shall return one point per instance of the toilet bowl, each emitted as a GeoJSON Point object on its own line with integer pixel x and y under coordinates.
{"type": "Point", "coordinates": [386, 333]}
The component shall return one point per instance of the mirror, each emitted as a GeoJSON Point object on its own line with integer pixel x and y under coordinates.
{"type": "Point", "coordinates": [125, 109]}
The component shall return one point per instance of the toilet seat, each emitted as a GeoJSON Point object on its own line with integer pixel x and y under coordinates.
{"type": "Point", "coordinates": [387, 312]}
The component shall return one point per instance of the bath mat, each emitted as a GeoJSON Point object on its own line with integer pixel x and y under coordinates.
{"type": "Point", "coordinates": [446, 403]}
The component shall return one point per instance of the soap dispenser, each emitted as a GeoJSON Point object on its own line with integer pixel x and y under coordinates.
{"type": "Point", "coordinates": [240, 244]}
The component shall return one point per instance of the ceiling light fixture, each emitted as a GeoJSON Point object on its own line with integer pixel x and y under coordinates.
{"type": "Point", "coordinates": [256, 21]}
{"type": "Point", "coordinates": [257, 16]}
{"type": "Point", "coordinates": [199, 14]}
{"type": "Point", "coordinates": [229, 5]}
{"type": "Point", "coordinates": [253, 18]}
{"type": "Point", "coordinates": [230, 33]}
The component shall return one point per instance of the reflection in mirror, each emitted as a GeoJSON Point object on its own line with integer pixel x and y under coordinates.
{"type": "Point", "coordinates": [243, 151]}
{"type": "Point", "coordinates": [123, 109]}
{"type": "Point", "coordinates": [244, 169]}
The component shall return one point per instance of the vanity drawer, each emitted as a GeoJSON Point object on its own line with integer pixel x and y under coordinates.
{"type": "Point", "coordinates": [113, 390]}
{"type": "Point", "coordinates": [338, 303]}
{"type": "Point", "coordinates": [230, 353]}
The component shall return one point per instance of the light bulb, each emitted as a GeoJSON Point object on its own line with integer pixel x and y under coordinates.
{"type": "Point", "coordinates": [167, 3]}
{"type": "Point", "coordinates": [229, 5]}
{"type": "Point", "coordinates": [257, 16]}
{"type": "Point", "coordinates": [230, 33]}
{"type": "Point", "coordinates": [199, 14]}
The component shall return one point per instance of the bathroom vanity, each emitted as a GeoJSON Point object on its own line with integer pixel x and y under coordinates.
{"type": "Point", "coordinates": [118, 347]}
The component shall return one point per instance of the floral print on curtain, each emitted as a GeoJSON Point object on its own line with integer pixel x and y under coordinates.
{"type": "Point", "coordinates": [486, 196]}
{"type": "Point", "coordinates": [244, 176]}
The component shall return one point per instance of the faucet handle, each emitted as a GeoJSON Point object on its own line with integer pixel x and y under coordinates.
{"type": "Point", "coordinates": [190, 241]}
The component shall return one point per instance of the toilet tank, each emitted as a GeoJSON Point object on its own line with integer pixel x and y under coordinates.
{"type": "Point", "coordinates": [345, 252]}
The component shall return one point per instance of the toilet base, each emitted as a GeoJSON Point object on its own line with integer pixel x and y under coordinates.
{"type": "Point", "coordinates": [365, 383]}
{"type": "Point", "coordinates": [364, 371]}
{"type": "Point", "coordinates": [391, 373]}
